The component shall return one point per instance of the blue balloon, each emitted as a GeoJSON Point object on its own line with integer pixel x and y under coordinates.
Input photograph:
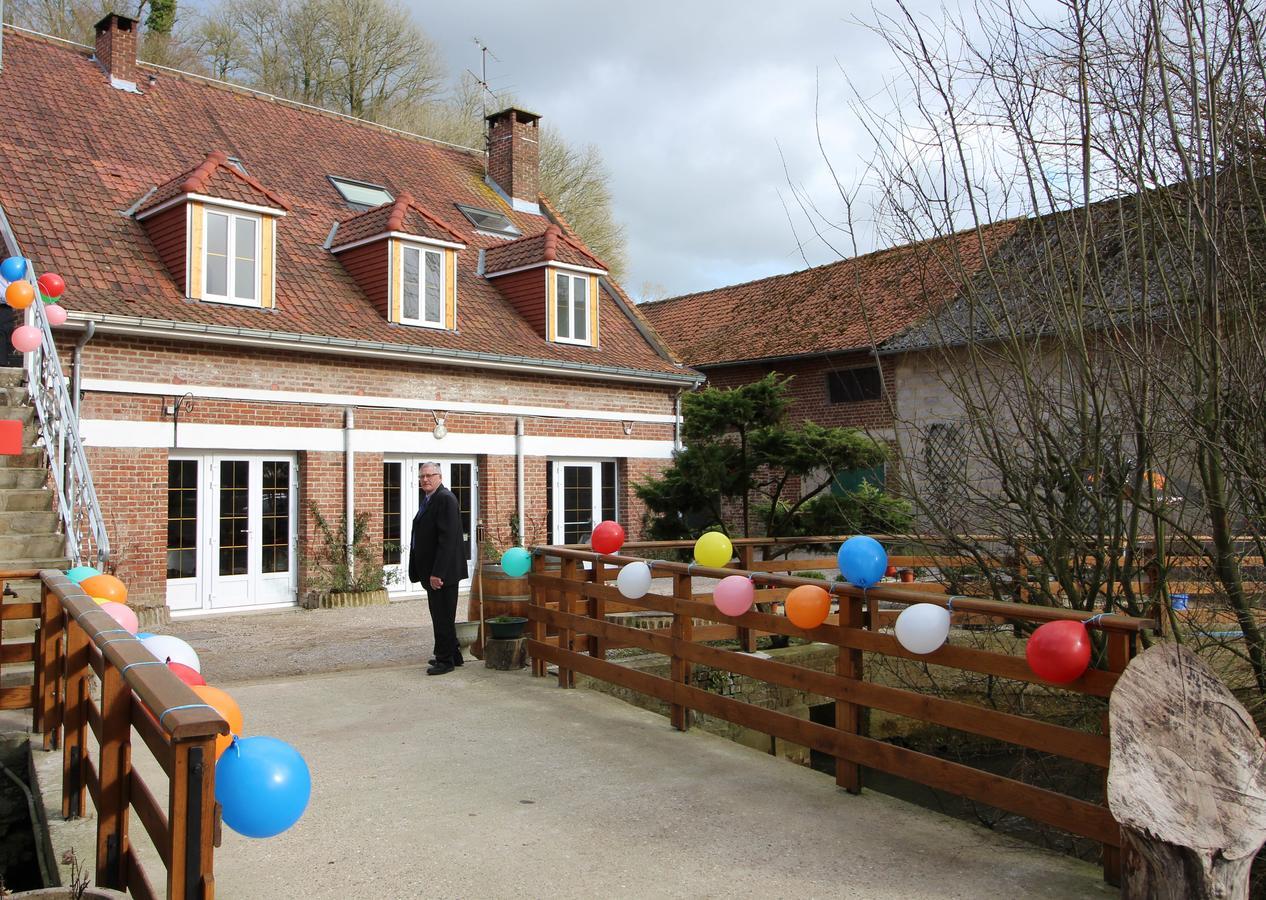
{"type": "Point", "coordinates": [262, 785]}
{"type": "Point", "coordinates": [13, 268]}
{"type": "Point", "coordinates": [863, 561]}
{"type": "Point", "coordinates": [142, 635]}
{"type": "Point", "coordinates": [79, 573]}
{"type": "Point", "coordinates": [516, 561]}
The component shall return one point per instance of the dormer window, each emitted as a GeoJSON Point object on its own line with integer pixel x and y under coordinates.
{"type": "Point", "coordinates": [361, 195]}
{"type": "Point", "coordinates": [422, 287]}
{"type": "Point", "coordinates": [231, 257]}
{"type": "Point", "coordinates": [571, 308]}
{"type": "Point", "coordinates": [489, 222]}
{"type": "Point", "coordinates": [215, 228]}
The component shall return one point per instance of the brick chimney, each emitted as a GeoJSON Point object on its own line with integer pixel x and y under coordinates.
{"type": "Point", "coordinates": [116, 49]}
{"type": "Point", "coordinates": [514, 153]}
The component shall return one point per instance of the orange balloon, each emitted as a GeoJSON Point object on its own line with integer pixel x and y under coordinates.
{"type": "Point", "coordinates": [227, 707]}
{"type": "Point", "coordinates": [808, 606]}
{"type": "Point", "coordinates": [19, 295]}
{"type": "Point", "coordinates": [107, 587]}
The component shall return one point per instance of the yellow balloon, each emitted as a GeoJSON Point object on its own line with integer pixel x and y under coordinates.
{"type": "Point", "coordinates": [713, 550]}
{"type": "Point", "coordinates": [99, 600]}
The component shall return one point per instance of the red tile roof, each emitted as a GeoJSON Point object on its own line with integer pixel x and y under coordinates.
{"type": "Point", "coordinates": [75, 153]}
{"type": "Point", "coordinates": [552, 246]}
{"type": "Point", "coordinates": [215, 177]}
{"type": "Point", "coordinates": [852, 304]}
{"type": "Point", "coordinates": [403, 215]}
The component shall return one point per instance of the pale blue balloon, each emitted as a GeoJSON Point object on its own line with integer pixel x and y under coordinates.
{"type": "Point", "coordinates": [863, 561]}
{"type": "Point", "coordinates": [516, 561]}
{"type": "Point", "coordinates": [79, 573]}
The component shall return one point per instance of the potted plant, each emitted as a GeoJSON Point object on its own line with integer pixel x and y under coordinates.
{"type": "Point", "coordinates": [506, 628]}
{"type": "Point", "coordinates": [343, 575]}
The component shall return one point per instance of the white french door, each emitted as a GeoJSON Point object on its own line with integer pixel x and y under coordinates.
{"type": "Point", "coordinates": [577, 500]}
{"type": "Point", "coordinates": [230, 531]}
{"type": "Point", "coordinates": [401, 497]}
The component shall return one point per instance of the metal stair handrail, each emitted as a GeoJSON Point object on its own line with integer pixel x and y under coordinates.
{"type": "Point", "coordinates": [77, 503]}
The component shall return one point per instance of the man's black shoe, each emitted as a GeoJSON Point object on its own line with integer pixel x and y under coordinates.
{"type": "Point", "coordinates": [459, 662]}
{"type": "Point", "coordinates": [439, 669]}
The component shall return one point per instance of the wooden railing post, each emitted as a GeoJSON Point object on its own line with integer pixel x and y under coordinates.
{"type": "Point", "coordinates": [50, 675]}
{"type": "Point", "coordinates": [746, 637]}
{"type": "Point", "coordinates": [567, 604]}
{"type": "Point", "coordinates": [848, 664]}
{"type": "Point", "coordinates": [683, 631]}
{"type": "Point", "coordinates": [1121, 647]}
{"type": "Point", "coordinates": [114, 764]}
{"type": "Point", "coordinates": [536, 627]}
{"type": "Point", "coordinates": [597, 610]}
{"type": "Point", "coordinates": [191, 819]}
{"type": "Point", "coordinates": [75, 722]}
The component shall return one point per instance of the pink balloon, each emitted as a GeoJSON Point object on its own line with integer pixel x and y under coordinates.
{"type": "Point", "coordinates": [26, 338]}
{"type": "Point", "coordinates": [121, 614]}
{"type": "Point", "coordinates": [56, 314]}
{"type": "Point", "coordinates": [734, 595]}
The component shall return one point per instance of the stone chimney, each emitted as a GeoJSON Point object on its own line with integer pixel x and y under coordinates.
{"type": "Point", "coordinates": [116, 49]}
{"type": "Point", "coordinates": [514, 153]}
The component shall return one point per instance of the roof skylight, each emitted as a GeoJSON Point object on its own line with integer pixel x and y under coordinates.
{"type": "Point", "coordinates": [359, 194]}
{"type": "Point", "coordinates": [491, 222]}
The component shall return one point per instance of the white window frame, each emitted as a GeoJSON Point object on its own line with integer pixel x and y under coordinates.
{"type": "Point", "coordinates": [231, 282]}
{"type": "Point", "coordinates": [570, 338]}
{"type": "Point", "coordinates": [421, 321]}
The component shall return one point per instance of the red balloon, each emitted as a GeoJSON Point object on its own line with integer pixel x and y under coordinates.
{"type": "Point", "coordinates": [187, 674]}
{"type": "Point", "coordinates": [607, 537]}
{"type": "Point", "coordinates": [51, 284]}
{"type": "Point", "coordinates": [1059, 651]}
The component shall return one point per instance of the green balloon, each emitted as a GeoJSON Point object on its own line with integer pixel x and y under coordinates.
{"type": "Point", "coordinates": [516, 561]}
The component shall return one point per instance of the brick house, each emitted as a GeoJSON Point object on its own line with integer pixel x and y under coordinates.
{"type": "Point", "coordinates": [828, 327]}
{"type": "Point", "coordinates": [273, 307]}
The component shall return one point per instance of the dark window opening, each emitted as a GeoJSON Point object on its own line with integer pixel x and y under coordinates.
{"type": "Point", "coordinates": [854, 385]}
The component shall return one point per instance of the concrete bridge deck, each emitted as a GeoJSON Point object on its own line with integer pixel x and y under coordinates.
{"type": "Point", "coordinates": [495, 784]}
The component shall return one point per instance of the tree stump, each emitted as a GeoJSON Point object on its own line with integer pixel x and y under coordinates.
{"type": "Point", "coordinates": [1187, 779]}
{"type": "Point", "coordinates": [505, 655]}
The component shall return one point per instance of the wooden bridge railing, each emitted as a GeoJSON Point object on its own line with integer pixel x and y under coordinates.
{"type": "Point", "coordinates": [93, 720]}
{"type": "Point", "coordinates": [568, 627]}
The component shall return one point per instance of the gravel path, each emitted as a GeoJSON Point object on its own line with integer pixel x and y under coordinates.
{"type": "Point", "coordinates": [252, 646]}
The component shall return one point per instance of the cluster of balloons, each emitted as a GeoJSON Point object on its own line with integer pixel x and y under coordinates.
{"type": "Point", "coordinates": [19, 294]}
{"type": "Point", "coordinates": [262, 784]}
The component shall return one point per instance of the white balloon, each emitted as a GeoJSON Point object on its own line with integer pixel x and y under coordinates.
{"type": "Point", "coordinates": [172, 649]}
{"type": "Point", "coordinates": [923, 628]}
{"type": "Point", "coordinates": [634, 580]}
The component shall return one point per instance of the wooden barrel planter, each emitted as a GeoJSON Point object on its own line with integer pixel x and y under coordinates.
{"type": "Point", "coordinates": [503, 595]}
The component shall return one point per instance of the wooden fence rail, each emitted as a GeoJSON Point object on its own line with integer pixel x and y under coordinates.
{"type": "Point", "coordinates": [569, 629]}
{"type": "Point", "coordinates": [95, 686]}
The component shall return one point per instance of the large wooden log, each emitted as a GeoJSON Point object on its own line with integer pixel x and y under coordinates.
{"type": "Point", "coordinates": [1187, 779]}
{"type": "Point", "coordinates": [505, 655]}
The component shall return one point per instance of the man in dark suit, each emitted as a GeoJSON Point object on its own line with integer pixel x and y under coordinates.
{"type": "Point", "coordinates": [437, 558]}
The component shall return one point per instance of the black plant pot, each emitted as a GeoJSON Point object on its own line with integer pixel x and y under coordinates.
{"type": "Point", "coordinates": [506, 628]}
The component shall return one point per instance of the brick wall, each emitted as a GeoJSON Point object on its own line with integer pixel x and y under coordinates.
{"type": "Point", "coordinates": [132, 483]}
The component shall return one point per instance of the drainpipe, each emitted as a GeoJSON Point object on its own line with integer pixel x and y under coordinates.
{"type": "Point", "coordinates": [349, 495]}
{"type": "Point", "coordinates": [76, 366]}
{"type": "Point", "coordinates": [518, 474]}
{"type": "Point", "coordinates": [677, 422]}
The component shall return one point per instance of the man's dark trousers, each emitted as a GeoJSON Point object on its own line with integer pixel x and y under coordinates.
{"type": "Point", "coordinates": [443, 606]}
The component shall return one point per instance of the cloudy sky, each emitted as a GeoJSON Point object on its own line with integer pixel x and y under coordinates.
{"type": "Point", "coordinates": [703, 111]}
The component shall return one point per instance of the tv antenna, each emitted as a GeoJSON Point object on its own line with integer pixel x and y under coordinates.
{"type": "Point", "coordinates": [482, 78]}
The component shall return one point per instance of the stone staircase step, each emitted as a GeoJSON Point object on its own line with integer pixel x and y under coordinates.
{"type": "Point", "coordinates": [12, 376]}
{"type": "Point", "coordinates": [28, 522]}
{"type": "Point", "coordinates": [16, 395]}
{"type": "Point", "coordinates": [30, 479]}
{"type": "Point", "coordinates": [34, 499]}
{"type": "Point", "coordinates": [28, 546]}
{"type": "Point", "coordinates": [35, 564]}
{"type": "Point", "coordinates": [32, 459]}
{"type": "Point", "coordinates": [25, 414]}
